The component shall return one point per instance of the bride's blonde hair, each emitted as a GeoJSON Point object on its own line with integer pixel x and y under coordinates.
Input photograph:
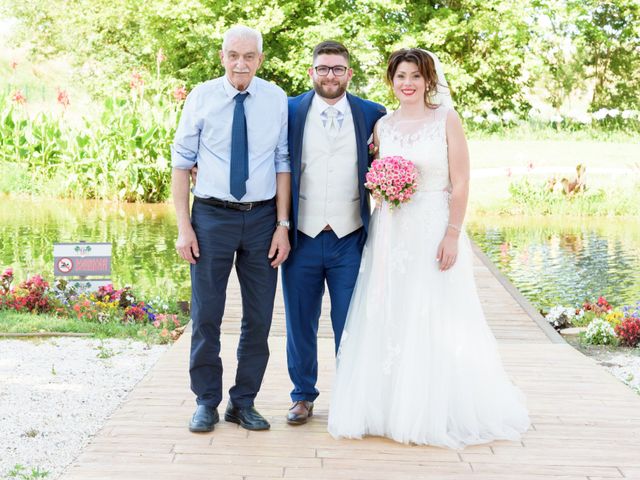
{"type": "Point", "coordinates": [426, 67]}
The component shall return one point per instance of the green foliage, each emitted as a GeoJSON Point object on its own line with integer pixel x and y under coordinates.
{"type": "Point", "coordinates": [531, 197]}
{"type": "Point", "coordinates": [482, 44]}
{"type": "Point", "coordinates": [20, 472]}
{"type": "Point", "coordinates": [120, 154]}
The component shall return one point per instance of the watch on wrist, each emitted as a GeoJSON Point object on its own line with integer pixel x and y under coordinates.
{"type": "Point", "coordinates": [283, 223]}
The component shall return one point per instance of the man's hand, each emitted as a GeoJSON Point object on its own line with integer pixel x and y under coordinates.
{"type": "Point", "coordinates": [280, 246]}
{"type": "Point", "coordinates": [187, 245]}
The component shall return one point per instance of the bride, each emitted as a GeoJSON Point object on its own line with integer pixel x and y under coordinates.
{"type": "Point", "coordinates": [417, 362]}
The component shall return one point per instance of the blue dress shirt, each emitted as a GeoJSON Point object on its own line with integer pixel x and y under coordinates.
{"type": "Point", "coordinates": [204, 136]}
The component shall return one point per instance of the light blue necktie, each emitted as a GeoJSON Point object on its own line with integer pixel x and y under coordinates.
{"type": "Point", "coordinates": [239, 149]}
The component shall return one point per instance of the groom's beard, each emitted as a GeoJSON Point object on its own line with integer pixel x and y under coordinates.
{"type": "Point", "coordinates": [332, 88]}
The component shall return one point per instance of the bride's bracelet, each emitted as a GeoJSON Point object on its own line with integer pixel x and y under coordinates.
{"type": "Point", "coordinates": [455, 227]}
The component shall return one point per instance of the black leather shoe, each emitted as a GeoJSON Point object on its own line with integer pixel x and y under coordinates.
{"type": "Point", "coordinates": [204, 419]}
{"type": "Point", "coordinates": [246, 417]}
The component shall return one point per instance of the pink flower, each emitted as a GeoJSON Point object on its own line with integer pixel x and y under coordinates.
{"type": "Point", "coordinates": [179, 93]}
{"type": "Point", "coordinates": [156, 324]}
{"type": "Point", "coordinates": [63, 98]}
{"type": "Point", "coordinates": [508, 172]}
{"type": "Point", "coordinates": [136, 82]}
{"type": "Point", "coordinates": [160, 57]}
{"type": "Point", "coordinates": [14, 65]}
{"type": "Point", "coordinates": [392, 179]}
{"type": "Point", "coordinates": [18, 97]}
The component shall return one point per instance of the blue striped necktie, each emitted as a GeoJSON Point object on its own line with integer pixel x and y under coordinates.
{"type": "Point", "coordinates": [239, 149]}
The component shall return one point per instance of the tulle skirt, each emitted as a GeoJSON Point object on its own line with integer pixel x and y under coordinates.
{"type": "Point", "coordinates": [418, 362]}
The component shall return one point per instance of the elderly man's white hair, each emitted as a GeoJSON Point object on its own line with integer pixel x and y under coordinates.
{"type": "Point", "coordinates": [240, 31]}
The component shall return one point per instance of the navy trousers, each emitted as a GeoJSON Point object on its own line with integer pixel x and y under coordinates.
{"type": "Point", "coordinates": [314, 261]}
{"type": "Point", "coordinates": [223, 234]}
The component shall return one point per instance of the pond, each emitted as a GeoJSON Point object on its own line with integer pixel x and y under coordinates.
{"type": "Point", "coordinates": [551, 261]}
{"type": "Point", "coordinates": [564, 261]}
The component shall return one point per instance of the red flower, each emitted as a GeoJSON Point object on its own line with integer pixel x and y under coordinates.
{"type": "Point", "coordinates": [179, 93]}
{"type": "Point", "coordinates": [602, 303]}
{"type": "Point", "coordinates": [628, 331]}
{"type": "Point", "coordinates": [135, 313]}
{"type": "Point", "coordinates": [136, 82]}
{"type": "Point", "coordinates": [63, 98]}
{"type": "Point", "coordinates": [18, 97]}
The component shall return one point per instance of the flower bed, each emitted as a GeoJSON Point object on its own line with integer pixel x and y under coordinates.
{"type": "Point", "coordinates": [160, 321]}
{"type": "Point", "coordinates": [605, 325]}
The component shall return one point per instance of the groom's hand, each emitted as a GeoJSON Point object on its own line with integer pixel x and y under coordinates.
{"type": "Point", "coordinates": [280, 246]}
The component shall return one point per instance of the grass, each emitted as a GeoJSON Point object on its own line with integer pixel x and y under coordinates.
{"type": "Point", "coordinates": [17, 322]}
{"type": "Point", "coordinates": [613, 168]}
{"type": "Point", "coordinates": [510, 153]}
{"type": "Point", "coordinates": [542, 131]}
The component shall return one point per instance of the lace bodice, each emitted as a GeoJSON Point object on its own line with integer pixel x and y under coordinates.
{"type": "Point", "coordinates": [422, 142]}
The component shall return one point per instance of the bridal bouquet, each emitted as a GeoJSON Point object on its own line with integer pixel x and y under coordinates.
{"type": "Point", "coordinates": [392, 179]}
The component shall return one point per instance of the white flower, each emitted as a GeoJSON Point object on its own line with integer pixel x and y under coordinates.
{"type": "Point", "coordinates": [627, 114]}
{"type": "Point", "coordinates": [493, 118]}
{"type": "Point", "coordinates": [556, 118]}
{"type": "Point", "coordinates": [509, 116]}
{"type": "Point", "coordinates": [478, 119]}
{"type": "Point", "coordinates": [486, 106]}
{"type": "Point", "coordinates": [613, 113]}
{"type": "Point", "coordinates": [601, 114]}
{"type": "Point", "coordinates": [600, 332]}
{"type": "Point", "coordinates": [560, 316]}
{"type": "Point", "coordinates": [467, 114]}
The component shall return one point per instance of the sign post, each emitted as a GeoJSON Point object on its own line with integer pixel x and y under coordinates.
{"type": "Point", "coordinates": [77, 261]}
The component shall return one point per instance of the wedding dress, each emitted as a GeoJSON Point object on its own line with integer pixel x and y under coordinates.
{"type": "Point", "coordinates": [418, 362]}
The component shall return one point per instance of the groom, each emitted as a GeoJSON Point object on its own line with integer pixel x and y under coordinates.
{"type": "Point", "coordinates": [328, 133]}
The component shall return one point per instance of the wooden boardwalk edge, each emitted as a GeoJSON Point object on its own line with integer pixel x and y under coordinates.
{"type": "Point", "coordinates": [548, 330]}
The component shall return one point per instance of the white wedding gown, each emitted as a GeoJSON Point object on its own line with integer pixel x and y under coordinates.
{"type": "Point", "coordinates": [418, 362]}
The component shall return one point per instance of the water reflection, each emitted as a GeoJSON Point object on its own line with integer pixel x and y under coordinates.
{"type": "Point", "coordinates": [549, 261]}
{"type": "Point", "coordinates": [555, 261]}
{"type": "Point", "coordinates": [142, 236]}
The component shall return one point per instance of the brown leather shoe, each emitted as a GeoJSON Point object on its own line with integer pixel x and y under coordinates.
{"type": "Point", "coordinates": [300, 412]}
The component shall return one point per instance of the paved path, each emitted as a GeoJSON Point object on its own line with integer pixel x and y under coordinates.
{"type": "Point", "coordinates": [586, 424]}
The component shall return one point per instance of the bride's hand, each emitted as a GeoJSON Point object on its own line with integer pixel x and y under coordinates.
{"type": "Point", "coordinates": [448, 251]}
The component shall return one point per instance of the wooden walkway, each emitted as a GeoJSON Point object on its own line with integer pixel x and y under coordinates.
{"type": "Point", "coordinates": [586, 424]}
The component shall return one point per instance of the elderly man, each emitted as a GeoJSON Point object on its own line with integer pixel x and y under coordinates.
{"type": "Point", "coordinates": [235, 129]}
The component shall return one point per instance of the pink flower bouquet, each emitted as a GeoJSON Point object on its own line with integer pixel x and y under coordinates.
{"type": "Point", "coordinates": [392, 179]}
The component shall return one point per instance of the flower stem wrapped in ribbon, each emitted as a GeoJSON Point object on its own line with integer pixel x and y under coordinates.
{"type": "Point", "coordinates": [392, 179]}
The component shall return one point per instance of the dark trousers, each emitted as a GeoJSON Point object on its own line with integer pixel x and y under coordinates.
{"type": "Point", "coordinates": [223, 234]}
{"type": "Point", "coordinates": [314, 261]}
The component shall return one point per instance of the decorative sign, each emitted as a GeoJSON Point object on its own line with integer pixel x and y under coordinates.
{"type": "Point", "coordinates": [81, 259]}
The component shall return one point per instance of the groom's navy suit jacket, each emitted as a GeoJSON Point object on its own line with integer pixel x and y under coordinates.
{"type": "Point", "coordinates": [365, 114]}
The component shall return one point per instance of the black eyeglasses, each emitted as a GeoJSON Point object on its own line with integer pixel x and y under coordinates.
{"type": "Point", "coordinates": [338, 70]}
